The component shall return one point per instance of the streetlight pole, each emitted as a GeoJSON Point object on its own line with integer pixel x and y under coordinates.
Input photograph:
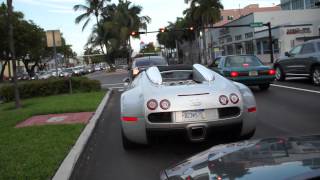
{"type": "Point", "coordinates": [12, 50]}
{"type": "Point", "coordinates": [55, 53]}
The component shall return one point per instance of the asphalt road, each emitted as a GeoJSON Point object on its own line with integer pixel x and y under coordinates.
{"type": "Point", "coordinates": [282, 111]}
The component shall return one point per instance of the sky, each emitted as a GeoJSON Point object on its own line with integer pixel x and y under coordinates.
{"type": "Point", "coordinates": [59, 14]}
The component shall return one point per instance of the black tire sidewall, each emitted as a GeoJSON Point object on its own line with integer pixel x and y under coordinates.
{"type": "Point", "coordinates": [312, 72]}
{"type": "Point", "coordinates": [282, 75]}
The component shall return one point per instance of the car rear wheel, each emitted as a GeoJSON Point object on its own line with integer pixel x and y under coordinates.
{"type": "Point", "coordinates": [126, 143]}
{"type": "Point", "coordinates": [316, 76]}
{"type": "Point", "coordinates": [280, 76]}
{"type": "Point", "coordinates": [248, 135]}
{"type": "Point", "coordinates": [264, 87]}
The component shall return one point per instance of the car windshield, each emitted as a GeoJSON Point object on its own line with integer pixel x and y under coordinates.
{"type": "Point", "coordinates": [177, 75]}
{"type": "Point", "coordinates": [146, 62]}
{"type": "Point", "coordinates": [240, 61]}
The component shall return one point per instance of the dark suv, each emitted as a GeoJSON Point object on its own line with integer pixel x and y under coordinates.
{"type": "Point", "coordinates": [302, 61]}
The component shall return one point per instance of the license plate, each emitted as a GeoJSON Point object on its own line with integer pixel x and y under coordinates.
{"type": "Point", "coordinates": [253, 73]}
{"type": "Point", "coordinates": [187, 116]}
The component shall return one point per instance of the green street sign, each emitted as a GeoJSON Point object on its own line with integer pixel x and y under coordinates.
{"type": "Point", "coordinates": [256, 24]}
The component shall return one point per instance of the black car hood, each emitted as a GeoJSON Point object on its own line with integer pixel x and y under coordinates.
{"type": "Point", "coordinates": [273, 158]}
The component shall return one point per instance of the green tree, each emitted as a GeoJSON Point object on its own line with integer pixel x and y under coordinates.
{"type": "Point", "coordinates": [91, 8]}
{"type": "Point", "coordinates": [203, 13]}
{"type": "Point", "coordinates": [117, 22]}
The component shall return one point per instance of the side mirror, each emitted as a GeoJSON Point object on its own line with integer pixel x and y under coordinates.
{"type": "Point", "coordinates": [287, 54]}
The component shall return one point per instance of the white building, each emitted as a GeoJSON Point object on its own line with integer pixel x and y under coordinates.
{"type": "Point", "coordinates": [289, 28]}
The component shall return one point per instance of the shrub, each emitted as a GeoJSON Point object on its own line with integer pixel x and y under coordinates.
{"type": "Point", "coordinates": [49, 87]}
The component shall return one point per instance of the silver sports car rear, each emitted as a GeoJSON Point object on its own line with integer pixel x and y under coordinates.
{"type": "Point", "coordinates": [193, 99]}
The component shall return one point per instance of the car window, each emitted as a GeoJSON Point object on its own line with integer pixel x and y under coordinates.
{"type": "Point", "coordinates": [240, 61]}
{"type": "Point", "coordinates": [150, 62]}
{"type": "Point", "coordinates": [308, 48]}
{"type": "Point", "coordinates": [296, 50]}
{"type": "Point", "coordinates": [318, 46]}
{"type": "Point", "coordinates": [176, 75]}
{"type": "Point", "coordinates": [216, 62]}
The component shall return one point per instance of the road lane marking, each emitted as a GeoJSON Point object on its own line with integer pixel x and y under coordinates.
{"type": "Point", "coordinates": [294, 88]}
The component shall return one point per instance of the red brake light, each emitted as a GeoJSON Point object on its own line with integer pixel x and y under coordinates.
{"type": "Point", "coordinates": [234, 98]}
{"type": "Point", "coordinates": [234, 74]}
{"type": "Point", "coordinates": [223, 100]}
{"type": "Point", "coordinates": [272, 72]}
{"type": "Point", "coordinates": [130, 119]}
{"type": "Point", "coordinates": [253, 109]}
{"type": "Point", "coordinates": [152, 104]}
{"type": "Point", "coordinates": [165, 104]}
{"type": "Point", "coordinates": [245, 65]}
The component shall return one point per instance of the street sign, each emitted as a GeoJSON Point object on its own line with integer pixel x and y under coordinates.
{"type": "Point", "coordinates": [256, 24]}
{"type": "Point", "coordinates": [53, 38]}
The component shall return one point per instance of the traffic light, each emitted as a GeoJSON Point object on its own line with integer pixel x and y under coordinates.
{"type": "Point", "coordinates": [191, 28]}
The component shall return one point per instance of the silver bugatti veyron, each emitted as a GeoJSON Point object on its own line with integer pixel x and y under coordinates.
{"type": "Point", "coordinates": [191, 99]}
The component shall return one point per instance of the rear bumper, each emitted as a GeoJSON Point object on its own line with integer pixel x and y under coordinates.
{"type": "Point", "coordinates": [205, 131]}
{"type": "Point", "coordinates": [254, 80]}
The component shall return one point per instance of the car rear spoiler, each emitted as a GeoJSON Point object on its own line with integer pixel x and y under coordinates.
{"type": "Point", "coordinates": [200, 74]}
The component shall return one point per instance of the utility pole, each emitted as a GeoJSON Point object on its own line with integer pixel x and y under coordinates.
{"type": "Point", "coordinates": [270, 42]}
{"type": "Point", "coordinates": [13, 55]}
{"type": "Point", "coordinates": [55, 53]}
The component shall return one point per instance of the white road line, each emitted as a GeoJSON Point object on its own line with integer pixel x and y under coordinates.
{"type": "Point", "coordinates": [294, 88]}
{"type": "Point", "coordinates": [112, 84]}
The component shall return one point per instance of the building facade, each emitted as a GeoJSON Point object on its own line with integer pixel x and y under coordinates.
{"type": "Point", "coordinates": [298, 4]}
{"type": "Point", "coordinates": [287, 32]}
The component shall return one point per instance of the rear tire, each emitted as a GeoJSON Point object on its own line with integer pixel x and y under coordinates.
{"type": "Point", "coordinates": [280, 76]}
{"type": "Point", "coordinates": [315, 76]}
{"type": "Point", "coordinates": [264, 87]}
{"type": "Point", "coordinates": [248, 135]}
{"type": "Point", "coordinates": [126, 143]}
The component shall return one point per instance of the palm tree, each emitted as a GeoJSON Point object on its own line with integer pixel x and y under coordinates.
{"type": "Point", "coordinates": [204, 13]}
{"type": "Point", "coordinates": [91, 8]}
{"type": "Point", "coordinates": [116, 24]}
{"type": "Point", "coordinates": [12, 50]}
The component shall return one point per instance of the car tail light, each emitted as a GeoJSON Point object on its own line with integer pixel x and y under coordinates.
{"type": "Point", "coordinates": [165, 104]}
{"type": "Point", "coordinates": [223, 100]}
{"type": "Point", "coordinates": [152, 104]}
{"type": "Point", "coordinates": [234, 74]}
{"type": "Point", "coordinates": [245, 65]}
{"type": "Point", "coordinates": [234, 98]}
{"type": "Point", "coordinates": [272, 72]}
{"type": "Point", "coordinates": [130, 119]}
{"type": "Point", "coordinates": [252, 109]}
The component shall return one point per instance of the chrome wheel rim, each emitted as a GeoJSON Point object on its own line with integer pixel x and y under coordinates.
{"type": "Point", "coordinates": [316, 76]}
{"type": "Point", "coordinates": [278, 73]}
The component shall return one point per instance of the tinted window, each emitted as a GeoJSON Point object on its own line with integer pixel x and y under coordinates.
{"type": "Point", "coordinates": [240, 61]}
{"type": "Point", "coordinates": [318, 46]}
{"type": "Point", "coordinates": [176, 75]}
{"type": "Point", "coordinates": [216, 62]}
{"type": "Point", "coordinates": [296, 50]}
{"type": "Point", "coordinates": [150, 62]}
{"type": "Point", "coordinates": [308, 48]}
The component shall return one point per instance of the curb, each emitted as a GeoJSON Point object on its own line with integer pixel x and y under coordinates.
{"type": "Point", "coordinates": [65, 170]}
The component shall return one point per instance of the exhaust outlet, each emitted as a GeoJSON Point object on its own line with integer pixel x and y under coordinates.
{"type": "Point", "coordinates": [197, 133]}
